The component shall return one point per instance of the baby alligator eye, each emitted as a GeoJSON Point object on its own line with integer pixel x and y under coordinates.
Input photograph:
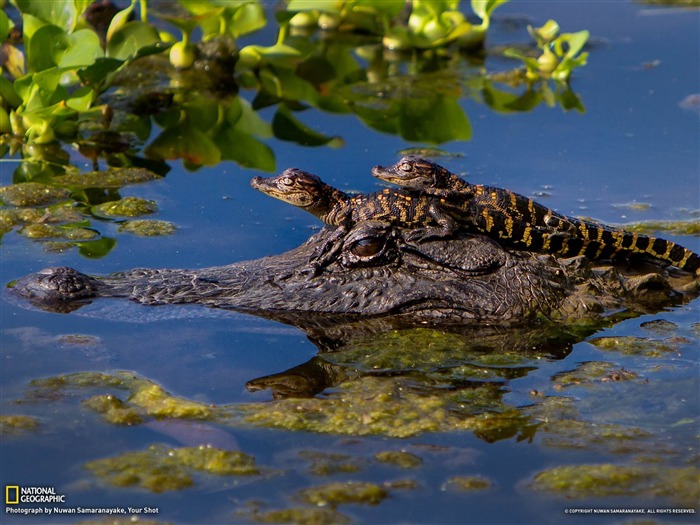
{"type": "Point", "coordinates": [406, 166]}
{"type": "Point", "coordinates": [367, 247]}
{"type": "Point", "coordinates": [286, 181]}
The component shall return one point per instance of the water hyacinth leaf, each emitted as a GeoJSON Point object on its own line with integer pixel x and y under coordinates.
{"type": "Point", "coordinates": [42, 40]}
{"type": "Point", "coordinates": [81, 99]}
{"type": "Point", "coordinates": [8, 93]}
{"type": "Point", "coordinates": [97, 248]}
{"type": "Point", "coordinates": [248, 18]}
{"type": "Point", "coordinates": [60, 13]}
{"type": "Point", "coordinates": [81, 48]}
{"type": "Point", "coordinates": [127, 41]}
{"type": "Point", "coordinates": [120, 20]}
{"type": "Point", "coordinates": [97, 72]}
{"type": "Point", "coordinates": [286, 127]}
{"type": "Point", "coordinates": [329, 6]}
{"type": "Point", "coordinates": [187, 142]}
{"type": "Point", "coordinates": [484, 8]}
{"type": "Point", "coordinates": [5, 26]}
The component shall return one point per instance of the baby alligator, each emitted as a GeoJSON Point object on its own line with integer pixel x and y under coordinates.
{"type": "Point", "coordinates": [424, 214]}
{"type": "Point", "coordinates": [508, 214]}
{"type": "Point", "coordinates": [398, 207]}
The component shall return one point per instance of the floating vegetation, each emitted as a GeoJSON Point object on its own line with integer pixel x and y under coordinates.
{"type": "Point", "coordinates": [327, 463]}
{"type": "Point", "coordinates": [162, 469]}
{"type": "Point", "coordinates": [15, 425]}
{"type": "Point", "coordinates": [399, 458]}
{"type": "Point", "coordinates": [672, 227]}
{"type": "Point", "coordinates": [145, 398]}
{"type": "Point", "coordinates": [590, 373]}
{"type": "Point", "coordinates": [26, 194]}
{"type": "Point", "coordinates": [126, 207]}
{"type": "Point", "coordinates": [295, 515]}
{"type": "Point", "coordinates": [334, 494]}
{"type": "Point", "coordinates": [148, 227]}
{"type": "Point", "coordinates": [679, 485]}
{"type": "Point", "coordinates": [370, 405]}
{"type": "Point", "coordinates": [631, 345]}
{"type": "Point", "coordinates": [466, 484]}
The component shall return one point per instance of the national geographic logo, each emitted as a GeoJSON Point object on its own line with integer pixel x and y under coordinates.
{"type": "Point", "coordinates": [14, 495]}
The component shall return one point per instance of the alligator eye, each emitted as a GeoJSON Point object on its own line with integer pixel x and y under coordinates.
{"type": "Point", "coordinates": [286, 181]}
{"type": "Point", "coordinates": [406, 166]}
{"type": "Point", "coordinates": [367, 247]}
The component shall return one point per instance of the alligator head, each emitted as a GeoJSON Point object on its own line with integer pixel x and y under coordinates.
{"type": "Point", "coordinates": [464, 279]}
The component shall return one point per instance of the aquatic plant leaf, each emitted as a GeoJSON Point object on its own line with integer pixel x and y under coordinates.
{"type": "Point", "coordinates": [60, 13]}
{"type": "Point", "coordinates": [127, 41]}
{"type": "Point", "coordinates": [484, 8]}
{"type": "Point", "coordinates": [81, 48]}
{"type": "Point", "coordinates": [248, 18]}
{"type": "Point", "coordinates": [286, 127]}
{"type": "Point", "coordinates": [97, 248]}
{"type": "Point", "coordinates": [99, 70]}
{"type": "Point", "coordinates": [41, 41]}
{"type": "Point", "coordinates": [5, 26]}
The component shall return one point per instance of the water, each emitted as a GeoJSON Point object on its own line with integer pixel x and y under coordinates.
{"type": "Point", "coordinates": [634, 143]}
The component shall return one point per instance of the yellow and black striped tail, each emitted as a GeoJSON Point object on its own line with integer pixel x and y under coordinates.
{"type": "Point", "coordinates": [595, 241]}
{"type": "Point", "coordinates": [609, 244]}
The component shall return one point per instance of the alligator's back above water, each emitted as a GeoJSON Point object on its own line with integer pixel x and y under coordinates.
{"type": "Point", "coordinates": [464, 279]}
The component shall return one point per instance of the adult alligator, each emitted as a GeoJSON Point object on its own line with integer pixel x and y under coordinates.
{"type": "Point", "coordinates": [467, 279]}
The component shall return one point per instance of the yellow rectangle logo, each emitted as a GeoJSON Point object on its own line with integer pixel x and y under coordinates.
{"type": "Point", "coordinates": [9, 498]}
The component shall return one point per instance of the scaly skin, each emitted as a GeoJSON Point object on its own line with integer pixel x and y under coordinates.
{"type": "Point", "coordinates": [333, 207]}
{"type": "Point", "coordinates": [523, 222]}
{"type": "Point", "coordinates": [467, 279]}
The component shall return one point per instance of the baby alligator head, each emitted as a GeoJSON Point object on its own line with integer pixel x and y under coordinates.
{"type": "Point", "coordinates": [414, 172]}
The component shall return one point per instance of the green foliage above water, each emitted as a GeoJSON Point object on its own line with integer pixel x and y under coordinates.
{"type": "Point", "coordinates": [336, 56]}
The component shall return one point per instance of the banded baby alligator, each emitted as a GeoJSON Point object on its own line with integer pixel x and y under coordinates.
{"type": "Point", "coordinates": [518, 219]}
{"type": "Point", "coordinates": [398, 207]}
{"type": "Point", "coordinates": [424, 214]}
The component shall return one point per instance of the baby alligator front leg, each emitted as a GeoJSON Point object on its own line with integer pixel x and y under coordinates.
{"type": "Point", "coordinates": [446, 225]}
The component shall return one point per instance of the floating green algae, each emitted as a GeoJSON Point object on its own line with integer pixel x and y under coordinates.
{"type": "Point", "coordinates": [328, 463]}
{"type": "Point", "coordinates": [296, 515]}
{"type": "Point", "coordinates": [113, 178]}
{"type": "Point", "coordinates": [632, 345]}
{"type": "Point", "coordinates": [672, 227]}
{"type": "Point", "coordinates": [160, 468]}
{"type": "Point", "coordinates": [50, 231]}
{"type": "Point", "coordinates": [399, 458]}
{"type": "Point", "coordinates": [591, 373]}
{"type": "Point", "coordinates": [126, 207]}
{"type": "Point", "coordinates": [679, 484]}
{"type": "Point", "coordinates": [148, 227]}
{"type": "Point", "coordinates": [14, 425]}
{"type": "Point", "coordinates": [334, 494]}
{"type": "Point", "coordinates": [380, 405]}
{"type": "Point", "coordinates": [466, 484]}
{"type": "Point", "coordinates": [32, 194]}
{"type": "Point", "coordinates": [145, 398]}
{"type": "Point", "coordinates": [114, 410]}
